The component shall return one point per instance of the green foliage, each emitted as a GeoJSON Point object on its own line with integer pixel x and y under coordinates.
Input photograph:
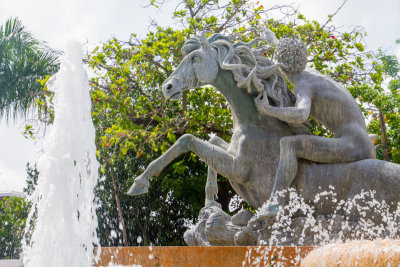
{"type": "Point", "coordinates": [31, 180]}
{"type": "Point", "coordinates": [44, 112]}
{"type": "Point", "coordinates": [23, 60]}
{"type": "Point", "coordinates": [13, 213]}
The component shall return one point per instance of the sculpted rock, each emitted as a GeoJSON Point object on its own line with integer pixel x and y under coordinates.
{"type": "Point", "coordinates": [246, 237]}
{"type": "Point", "coordinates": [214, 228]}
{"type": "Point", "coordinates": [220, 232]}
{"type": "Point", "coordinates": [196, 236]}
{"type": "Point", "coordinates": [242, 217]}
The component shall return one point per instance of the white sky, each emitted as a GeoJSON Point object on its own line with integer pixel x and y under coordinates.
{"type": "Point", "coordinates": [94, 21]}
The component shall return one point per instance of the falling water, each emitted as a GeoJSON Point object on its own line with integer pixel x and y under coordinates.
{"type": "Point", "coordinates": [64, 213]}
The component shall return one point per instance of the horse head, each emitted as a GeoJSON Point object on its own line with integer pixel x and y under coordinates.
{"type": "Point", "coordinates": [199, 67]}
{"type": "Point", "coordinates": [204, 57]}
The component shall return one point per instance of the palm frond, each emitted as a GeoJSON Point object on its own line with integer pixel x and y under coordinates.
{"type": "Point", "coordinates": [23, 60]}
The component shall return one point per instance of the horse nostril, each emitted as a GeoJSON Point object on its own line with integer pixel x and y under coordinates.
{"type": "Point", "coordinates": [169, 86]}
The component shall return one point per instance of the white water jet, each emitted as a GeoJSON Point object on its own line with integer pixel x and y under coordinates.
{"type": "Point", "coordinates": [64, 230]}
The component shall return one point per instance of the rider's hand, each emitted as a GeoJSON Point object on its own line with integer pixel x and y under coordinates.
{"type": "Point", "coordinates": [261, 102]}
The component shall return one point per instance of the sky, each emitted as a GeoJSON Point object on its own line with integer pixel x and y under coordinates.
{"type": "Point", "coordinates": [95, 21]}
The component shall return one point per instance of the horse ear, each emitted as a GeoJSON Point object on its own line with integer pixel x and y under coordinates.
{"type": "Point", "coordinates": [204, 41]}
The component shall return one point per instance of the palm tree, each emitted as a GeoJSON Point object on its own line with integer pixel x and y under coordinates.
{"type": "Point", "coordinates": [23, 60]}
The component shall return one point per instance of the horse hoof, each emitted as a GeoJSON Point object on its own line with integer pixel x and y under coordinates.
{"type": "Point", "coordinates": [139, 187]}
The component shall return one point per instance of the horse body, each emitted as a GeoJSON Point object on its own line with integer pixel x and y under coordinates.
{"type": "Point", "coordinates": [347, 180]}
{"type": "Point", "coordinates": [254, 143]}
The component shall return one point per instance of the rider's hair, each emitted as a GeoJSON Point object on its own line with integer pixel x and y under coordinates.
{"type": "Point", "coordinates": [292, 52]}
{"type": "Point", "coordinates": [250, 68]}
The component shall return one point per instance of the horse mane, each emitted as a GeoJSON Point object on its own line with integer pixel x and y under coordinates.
{"type": "Point", "coordinates": [250, 68]}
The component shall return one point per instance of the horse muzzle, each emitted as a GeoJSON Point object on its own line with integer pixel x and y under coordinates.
{"type": "Point", "coordinates": [172, 89]}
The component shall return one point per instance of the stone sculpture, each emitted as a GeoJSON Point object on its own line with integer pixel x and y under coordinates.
{"type": "Point", "coordinates": [250, 161]}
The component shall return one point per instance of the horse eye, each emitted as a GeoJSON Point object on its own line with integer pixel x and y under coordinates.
{"type": "Point", "coordinates": [197, 59]}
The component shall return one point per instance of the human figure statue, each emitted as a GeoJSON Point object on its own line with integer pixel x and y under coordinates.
{"type": "Point", "coordinates": [330, 104]}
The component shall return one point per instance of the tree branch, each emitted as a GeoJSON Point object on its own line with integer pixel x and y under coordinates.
{"type": "Point", "coordinates": [334, 14]}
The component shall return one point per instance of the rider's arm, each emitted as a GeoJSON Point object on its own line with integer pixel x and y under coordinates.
{"type": "Point", "coordinates": [297, 114]}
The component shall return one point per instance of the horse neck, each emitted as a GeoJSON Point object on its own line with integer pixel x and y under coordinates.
{"type": "Point", "coordinates": [241, 103]}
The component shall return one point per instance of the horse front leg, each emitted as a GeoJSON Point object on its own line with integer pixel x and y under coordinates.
{"type": "Point", "coordinates": [211, 187]}
{"type": "Point", "coordinates": [214, 156]}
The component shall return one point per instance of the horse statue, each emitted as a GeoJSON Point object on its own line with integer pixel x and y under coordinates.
{"type": "Point", "coordinates": [240, 72]}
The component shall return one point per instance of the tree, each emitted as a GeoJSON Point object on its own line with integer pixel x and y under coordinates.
{"type": "Point", "coordinates": [156, 218]}
{"type": "Point", "coordinates": [31, 181]}
{"type": "Point", "coordinates": [23, 60]}
{"type": "Point", "coordinates": [135, 124]}
{"type": "Point", "coordinates": [380, 97]}
{"type": "Point", "coordinates": [13, 214]}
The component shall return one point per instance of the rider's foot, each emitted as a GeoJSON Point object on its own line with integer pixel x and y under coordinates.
{"type": "Point", "coordinates": [266, 215]}
{"type": "Point", "coordinates": [140, 186]}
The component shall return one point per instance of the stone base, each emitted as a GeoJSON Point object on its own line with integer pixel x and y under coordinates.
{"type": "Point", "coordinates": [203, 256]}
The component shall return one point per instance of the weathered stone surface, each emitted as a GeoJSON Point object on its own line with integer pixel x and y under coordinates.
{"type": "Point", "coordinates": [246, 237]}
{"type": "Point", "coordinates": [214, 228]}
{"type": "Point", "coordinates": [220, 232]}
{"type": "Point", "coordinates": [196, 236]}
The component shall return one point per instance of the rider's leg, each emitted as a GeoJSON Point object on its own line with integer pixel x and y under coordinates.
{"type": "Point", "coordinates": [314, 148]}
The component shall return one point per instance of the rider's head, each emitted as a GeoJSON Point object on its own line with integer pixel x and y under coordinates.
{"type": "Point", "coordinates": [292, 52]}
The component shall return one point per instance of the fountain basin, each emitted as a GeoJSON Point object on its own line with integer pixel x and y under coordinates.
{"type": "Point", "coordinates": [203, 256]}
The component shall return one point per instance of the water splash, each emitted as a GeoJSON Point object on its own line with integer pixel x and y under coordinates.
{"type": "Point", "coordinates": [63, 210]}
{"type": "Point", "coordinates": [362, 217]}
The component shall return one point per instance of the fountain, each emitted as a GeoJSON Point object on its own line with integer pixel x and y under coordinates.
{"type": "Point", "coordinates": [64, 229]}
{"type": "Point", "coordinates": [64, 210]}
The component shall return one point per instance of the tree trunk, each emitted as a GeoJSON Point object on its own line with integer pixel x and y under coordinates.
{"type": "Point", "coordinates": [120, 215]}
{"type": "Point", "coordinates": [142, 228]}
{"type": "Point", "coordinates": [184, 103]}
{"type": "Point", "coordinates": [383, 135]}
